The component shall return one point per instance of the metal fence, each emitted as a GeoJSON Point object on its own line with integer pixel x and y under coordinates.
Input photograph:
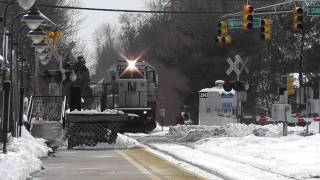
{"type": "Point", "coordinates": [47, 108]}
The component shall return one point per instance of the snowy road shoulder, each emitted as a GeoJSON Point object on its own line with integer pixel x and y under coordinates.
{"type": "Point", "coordinates": [240, 151]}
{"type": "Point", "coordinates": [219, 166]}
{"type": "Point", "coordinates": [22, 158]}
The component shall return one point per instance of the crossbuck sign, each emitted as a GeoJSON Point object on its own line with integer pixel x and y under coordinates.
{"type": "Point", "coordinates": [234, 66]}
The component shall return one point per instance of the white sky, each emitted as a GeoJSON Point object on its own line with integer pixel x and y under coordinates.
{"type": "Point", "coordinates": [95, 18]}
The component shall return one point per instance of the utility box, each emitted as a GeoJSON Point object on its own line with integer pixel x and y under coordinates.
{"type": "Point", "coordinates": [216, 106]}
{"type": "Point", "coordinates": [314, 105]}
{"type": "Point", "coordinates": [281, 112]}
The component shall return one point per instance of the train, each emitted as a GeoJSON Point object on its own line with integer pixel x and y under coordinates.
{"type": "Point", "coordinates": [131, 87]}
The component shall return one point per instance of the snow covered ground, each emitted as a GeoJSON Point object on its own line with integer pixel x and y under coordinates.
{"type": "Point", "coordinates": [22, 158]}
{"type": "Point", "coordinates": [241, 151]}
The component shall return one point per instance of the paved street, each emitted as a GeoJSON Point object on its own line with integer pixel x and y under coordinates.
{"type": "Point", "coordinates": [130, 164]}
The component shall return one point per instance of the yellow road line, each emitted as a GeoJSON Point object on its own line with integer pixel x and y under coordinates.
{"type": "Point", "coordinates": [159, 166]}
{"type": "Point", "coordinates": [138, 166]}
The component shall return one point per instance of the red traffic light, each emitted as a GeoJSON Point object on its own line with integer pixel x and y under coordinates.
{"type": "Point", "coordinates": [248, 9]}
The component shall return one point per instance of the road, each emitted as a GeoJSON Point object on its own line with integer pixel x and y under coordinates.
{"type": "Point", "coordinates": [133, 164]}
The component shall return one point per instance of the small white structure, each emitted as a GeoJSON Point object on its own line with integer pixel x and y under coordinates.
{"type": "Point", "coordinates": [216, 106]}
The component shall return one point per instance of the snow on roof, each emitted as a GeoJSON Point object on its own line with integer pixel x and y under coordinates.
{"type": "Point", "coordinates": [217, 89]}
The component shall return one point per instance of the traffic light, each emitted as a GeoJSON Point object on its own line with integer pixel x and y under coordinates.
{"type": "Point", "coordinates": [297, 18]}
{"type": "Point", "coordinates": [290, 85]}
{"type": "Point", "coordinates": [223, 37]}
{"type": "Point", "coordinates": [53, 36]}
{"type": "Point", "coordinates": [247, 17]}
{"type": "Point", "coordinates": [265, 29]}
{"type": "Point", "coordinates": [223, 28]}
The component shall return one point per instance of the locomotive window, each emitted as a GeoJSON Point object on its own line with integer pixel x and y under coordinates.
{"type": "Point", "coordinates": [130, 74]}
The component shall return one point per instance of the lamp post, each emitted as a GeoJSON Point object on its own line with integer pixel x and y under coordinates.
{"type": "Point", "coordinates": [26, 4]}
{"type": "Point", "coordinates": [33, 20]}
{"type": "Point", "coordinates": [22, 89]}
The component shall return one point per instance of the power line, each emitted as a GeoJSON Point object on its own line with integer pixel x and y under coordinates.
{"type": "Point", "coordinates": [128, 10]}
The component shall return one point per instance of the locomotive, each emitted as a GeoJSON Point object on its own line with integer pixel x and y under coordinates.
{"type": "Point", "coordinates": [131, 87]}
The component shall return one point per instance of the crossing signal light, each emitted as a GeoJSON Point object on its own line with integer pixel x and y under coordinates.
{"type": "Point", "coordinates": [297, 18]}
{"type": "Point", "coordinates": [223, 28]}
{"type": "Point", "coordinates": [247, 17]}
{"type": "Point", "coordinates": [290, 85]}
{"type": "Point", "coordinates": [236, 85]}
{"type": "Point", "coordinates": [265, 29]}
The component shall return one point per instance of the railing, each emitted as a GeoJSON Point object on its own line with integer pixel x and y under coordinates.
{"type": "Point", "coordinates": [47, 108]}
{"type": "Point", "coordinates": [63, 112]}
{"type": "Point", "coordinates": [29, 112]}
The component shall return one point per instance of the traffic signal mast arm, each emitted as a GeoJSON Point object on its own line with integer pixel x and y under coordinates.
{"type": "Point", "coordinates": [275, 10]}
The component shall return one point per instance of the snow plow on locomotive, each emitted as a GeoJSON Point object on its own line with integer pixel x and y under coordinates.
{"type": "Point", "coordinates": [131, 87]}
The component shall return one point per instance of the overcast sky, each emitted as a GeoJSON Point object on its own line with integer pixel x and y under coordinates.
{"type": "Point", "coordinates": [94, 18]}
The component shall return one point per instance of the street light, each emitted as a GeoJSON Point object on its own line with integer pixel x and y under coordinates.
{"type": "Point", "coordinates": [26, 4]}
{"type": "Point", "coordinates": [44, 61]}
{"type": "Point", "coordinates": [40, 47]}
{"type": "Point", "coordinates": [42, 56]}
{"type": "Point", "coordinates": [73, 77]}
{"type": "Point", "coordinates": [33, 18]}
{"type": "Point", "coordinates": [37, 35]}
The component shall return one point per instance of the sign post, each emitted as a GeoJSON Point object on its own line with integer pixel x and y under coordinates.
{"type": "Point", "coordinates": [162, 115]}
{"type": "Point", "coordinates": [234, 66]}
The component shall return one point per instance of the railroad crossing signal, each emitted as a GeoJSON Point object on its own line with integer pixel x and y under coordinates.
{"type": "Point", "coordinates": [234, 66]}
{"type": "Point", "coordinates": [297, 18]}
{"type": "Point", "coordinates": [247, 17]}
{"type": "Point", "coordinates": [265, 29]}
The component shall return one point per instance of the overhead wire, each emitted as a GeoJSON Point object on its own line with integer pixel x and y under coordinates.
{"type": "Point", "coordinates": [126, 10]}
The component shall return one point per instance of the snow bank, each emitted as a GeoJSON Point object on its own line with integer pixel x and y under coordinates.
{"type": "Point", "coordinates": [122, 142]}
{"type": "Point", "coordinates": [195, 133]}
{"type": "Point", "coordinates": [292, 156]}
{"type": "Point", "coordinates": [107, 111]}
{"type": "Point", "coordinates": [22, 158]}
{"type": "Point", "coordinates": [239, 151]}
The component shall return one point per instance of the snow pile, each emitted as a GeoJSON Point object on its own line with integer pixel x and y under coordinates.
{"type": "Point", "coordinates": [22, 158]}
{"type": "Point", "coordinates": [195, 133]}
{"type": "Point", "coordinates": [122, 142]}
{"type": "Point", "coordinates": [293, 156]}
{"type": "Point", "coordinates": [107, 111]}
{"type": "Point", "coordinates": [159, 130]}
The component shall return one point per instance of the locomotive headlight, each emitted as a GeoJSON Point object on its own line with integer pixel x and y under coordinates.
{"type": "Point", "coordinates": [145, 112]}
{"type": "Point", "coordinates": [131, 65]}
